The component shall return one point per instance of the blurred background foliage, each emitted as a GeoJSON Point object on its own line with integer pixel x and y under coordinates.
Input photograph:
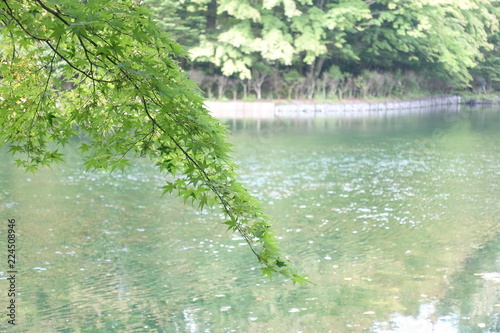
{"type": "Point", "coordinates": [335, 49]}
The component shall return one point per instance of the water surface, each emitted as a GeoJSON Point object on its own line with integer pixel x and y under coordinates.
{"type": "Point", "coordinates": [396, 220]}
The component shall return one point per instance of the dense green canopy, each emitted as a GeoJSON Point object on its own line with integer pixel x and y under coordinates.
{"type": "Point", "coordinates": [327, 44]}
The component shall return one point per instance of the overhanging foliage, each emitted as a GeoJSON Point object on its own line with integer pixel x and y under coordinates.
{"type": "Point", "coordinates": [104, 71]}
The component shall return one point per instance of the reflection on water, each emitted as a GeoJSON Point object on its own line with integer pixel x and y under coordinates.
{"type": "Point", "coordinates": [396, 219]}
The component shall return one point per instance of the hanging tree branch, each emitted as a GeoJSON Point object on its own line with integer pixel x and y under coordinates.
{"type": "Point", "coordinates": [132, 85]}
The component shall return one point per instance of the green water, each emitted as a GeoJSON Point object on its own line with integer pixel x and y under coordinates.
{"type": "Point", "coordinates": [396, 220]}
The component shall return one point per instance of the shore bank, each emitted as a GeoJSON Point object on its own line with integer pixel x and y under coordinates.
{"type": "Point", "coordinates": [270, 110]}
{"type": "Point", "coordinates": [473, 101]}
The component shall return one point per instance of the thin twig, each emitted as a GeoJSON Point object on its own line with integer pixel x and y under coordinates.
{"type": "Point", "coordinates": [76, 68]}
{"type": "Point", "coordinates": [56, 14]}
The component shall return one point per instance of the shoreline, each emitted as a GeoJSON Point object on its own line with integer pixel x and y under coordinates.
{"type": "Point", "coordinates": [271, 109]}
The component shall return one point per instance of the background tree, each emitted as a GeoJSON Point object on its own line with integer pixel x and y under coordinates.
{"type": "Point", "coordinates": [443, 37]}
{"type": "Point", "coordinates": [128, 98]}
{"type": "Point", "coordinates": [488, 69]}
{"type": "Point", "coordinates": [427, 45]}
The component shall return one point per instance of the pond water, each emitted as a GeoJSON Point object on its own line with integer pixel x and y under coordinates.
{"type": "Point", "coordinates": [396, 220]}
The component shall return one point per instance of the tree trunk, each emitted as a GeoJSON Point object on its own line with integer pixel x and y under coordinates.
{"type": "Point", "coordinates": [333, 87]}
{"type": "Point", "coordinates": [211, 16]}
{"type": "Point", "coordinates": [259, 93]}
{"type": "Point", "coordinates": [258, 79]}
{"type": "Point", "coordinates": [245, 88]}
{"type": "Point", "coordinates": [233, 84]}
{"type": "Point", "coordinates": [222, 85]}
{"type": "Point", "coordinates": [312, 76]}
